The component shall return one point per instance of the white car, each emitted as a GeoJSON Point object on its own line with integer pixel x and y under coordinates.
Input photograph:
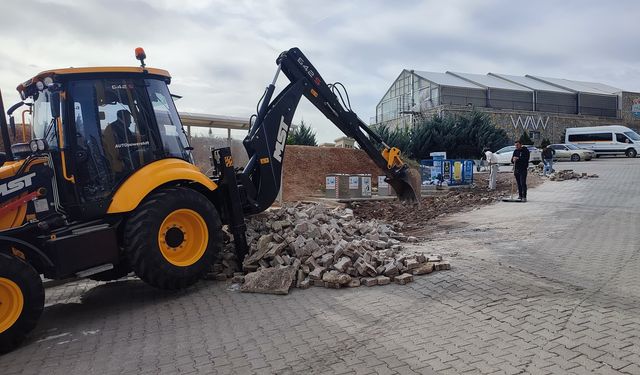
{"type": "Point", "coordinates": [567, 151]}
{"type": "Point", "coordinates": [504, 154]}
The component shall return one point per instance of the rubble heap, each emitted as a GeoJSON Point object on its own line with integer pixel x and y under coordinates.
{"type": "Point", "coordinates": [569, 174]}
{"type": "Point", "coordinates": [309, 244]}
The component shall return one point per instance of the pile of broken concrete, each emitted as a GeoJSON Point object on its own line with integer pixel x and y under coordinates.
{"type": "Point", "coordinates": [305, 245]}
{"type": "Point", "coordinates": [569, 174]}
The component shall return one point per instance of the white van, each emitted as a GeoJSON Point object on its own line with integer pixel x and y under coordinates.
{"type": "Point", "coordinates": [605, 140]}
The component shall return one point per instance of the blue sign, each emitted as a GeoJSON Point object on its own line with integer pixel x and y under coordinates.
{"type": "Point", "coordinates": [447, 171]}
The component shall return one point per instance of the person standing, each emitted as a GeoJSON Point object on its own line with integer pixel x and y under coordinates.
{"type": "Point", "coordinates": [492, 161]}
{"type": "Point", "coordinates": [520, 160]}
{"type": "Point", "coordinates": [547, 159]}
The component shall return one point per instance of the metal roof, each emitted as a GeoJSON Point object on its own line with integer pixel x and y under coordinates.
{"type": "Point", "coordinates": [516, 83]}
{"type": "Point", "coordinates": [444, 79]}
{"type": "Point", "coordinates": [490, 81]}
{"type": "Point", "coordinates": [214, 121]}
{"type": "Point", "coordinates": [579, 86]}
{"type": "Point", "coordinates": [531, 83]}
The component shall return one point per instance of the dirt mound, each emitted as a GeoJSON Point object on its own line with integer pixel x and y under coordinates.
{"type": "Point", "coordinates": [415, 218]}
{"type": "Point", "coordinates": [306, 167]}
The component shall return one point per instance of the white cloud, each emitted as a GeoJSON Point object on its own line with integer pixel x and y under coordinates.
{"type": "Point", "coordinates": [222, 53]}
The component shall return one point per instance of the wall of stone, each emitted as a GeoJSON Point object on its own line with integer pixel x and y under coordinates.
{"type": "Point", "coordinates": [543, 124]}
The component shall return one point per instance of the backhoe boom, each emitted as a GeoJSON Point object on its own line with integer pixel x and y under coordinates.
{"type": "Point", "coordinates": [266, 141]}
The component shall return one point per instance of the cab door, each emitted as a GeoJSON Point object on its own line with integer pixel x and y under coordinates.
{"type": "Point", "coordinates": [113, 137]}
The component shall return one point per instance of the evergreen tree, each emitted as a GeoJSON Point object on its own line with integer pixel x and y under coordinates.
{"type": "Point", "coordinates": [525, 139]}
{"type": "Point", "coordinates": [397, 137]}
{"type": "Point", "coordinates": [460, 136]}
{"type": "Point", "coordinates": [302, 135]}
{"type": "Point", "coordinates": [545, 142]}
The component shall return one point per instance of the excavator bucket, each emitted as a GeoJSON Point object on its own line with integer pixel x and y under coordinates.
{"type": "Point", "coordinates": [407, 185]}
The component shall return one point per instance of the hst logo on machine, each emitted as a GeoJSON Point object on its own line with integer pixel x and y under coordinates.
{"type": "Point", "coordinates": [17, 184]}
{"type": "Point", "coordinates": [282, 137]}
{"type": "Point", "coordinates": [310, 72]}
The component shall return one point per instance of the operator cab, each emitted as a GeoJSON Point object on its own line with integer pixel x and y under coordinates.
{"type": "Point", "coordinates": [101, 125]}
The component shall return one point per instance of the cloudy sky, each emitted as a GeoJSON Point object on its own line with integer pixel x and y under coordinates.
{"type": "Point", "coordinates": [222, 54]}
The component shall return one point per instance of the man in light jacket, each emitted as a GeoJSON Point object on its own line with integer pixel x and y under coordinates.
{"type": "Point", "coordinates": [492, 161]}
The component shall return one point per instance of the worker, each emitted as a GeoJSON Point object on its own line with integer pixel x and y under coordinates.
{"type": "Point", "coordinates": [520, 160]}
{"type": "Point", "coordinates": [492, 162]}
{"type": "Point", "coordinates": [547, 159]}
{"type": "Point", "coordinates": [115, 139]}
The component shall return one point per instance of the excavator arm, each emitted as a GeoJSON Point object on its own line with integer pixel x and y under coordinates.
{"type": "Point", "coordinates": [266, 141]}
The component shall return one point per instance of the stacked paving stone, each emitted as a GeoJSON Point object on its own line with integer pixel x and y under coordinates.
{"type": "Point", "coordinates": [569, 174]}
{"type": "Point", "coordinates": [307, 245]}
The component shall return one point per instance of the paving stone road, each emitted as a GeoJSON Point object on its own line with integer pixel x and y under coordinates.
{"type": "Point", "coordinates": [550, 286]}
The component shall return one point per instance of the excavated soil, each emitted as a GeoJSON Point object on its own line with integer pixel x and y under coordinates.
{"type": "Point", "coordinates": [414, 217]}
{"type": "Point", "coordinates": [305, 169]}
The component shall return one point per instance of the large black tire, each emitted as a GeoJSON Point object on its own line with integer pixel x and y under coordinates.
{"type": "Point", "coordinates": [172, 238]}
{"type": "Point", "coordinates": [631, 153]}
{"type": "Point", "coordinates": [18, 281]}
{"type": "Point", "coordinates": [118, 271]}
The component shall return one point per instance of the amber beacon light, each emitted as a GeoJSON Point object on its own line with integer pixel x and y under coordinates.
{"type": "Point", "coordinates": [140, 55]}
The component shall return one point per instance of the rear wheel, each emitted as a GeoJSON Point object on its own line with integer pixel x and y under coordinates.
{"type": "Point", "coordinates": [172, 238]}
{"type": "Point", "coordinates": [631, 153]}
{"type": "Point", "coordinates": [575, 157]}
{"type": "Point", "coordinates": [21, 300]}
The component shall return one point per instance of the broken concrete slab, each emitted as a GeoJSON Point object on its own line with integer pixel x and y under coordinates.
{"type": "Point", "coordinates": [269, 281]}
{"type": "Point", "coordinates": [317, 273]}
{"type": "Point", "coordinates": [343, 264]}
{"type": "Point", "coordinates": [403, 279]}
{"type": "Point", "coordinates": [423, 269]}
{"type": "Point", "coordinates": [369, 281]}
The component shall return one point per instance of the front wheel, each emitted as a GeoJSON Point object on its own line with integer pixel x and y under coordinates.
{"type": "Point", "coordinates": [172, 238]}
{"type": "Point", "coordinates": [575, 157]}
{"type": "Point", "coordinates": [21, 300]}
{"type": "Point", "coordinates": [631, 153]}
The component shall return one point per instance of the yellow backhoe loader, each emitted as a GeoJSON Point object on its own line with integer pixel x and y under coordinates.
{"type": "Point", "coordinates": [107, 185]}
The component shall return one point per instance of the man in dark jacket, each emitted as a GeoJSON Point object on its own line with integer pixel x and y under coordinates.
{"type": "Point", "coordinates": [520, 160]}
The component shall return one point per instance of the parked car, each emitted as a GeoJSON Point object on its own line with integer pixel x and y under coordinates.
{"type": "Point", "coordinates": [567, 151]}
{"type": "Point", "coordinates": [504, 154]}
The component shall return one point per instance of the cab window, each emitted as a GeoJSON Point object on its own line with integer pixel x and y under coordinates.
{"type": "Point", "coordinates": [174, 141]}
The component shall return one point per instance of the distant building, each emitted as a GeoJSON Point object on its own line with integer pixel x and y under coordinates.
{"type": "Point", "coordinates": [542, 106]}
{"type": "Point", "coordinates": [345, 142]}
{"type": "Point", "coordinates": [327, 144]}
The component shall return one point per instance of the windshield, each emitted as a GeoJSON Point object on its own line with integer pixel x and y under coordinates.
{"type": "Point", "coordinates": [572, 147]}
{"type": "Point", "coordinates": [632, 135]}
{"type": "Point", "coordinates": [173, 138]}
{"type": "Point", "coordinates": [42, 118]}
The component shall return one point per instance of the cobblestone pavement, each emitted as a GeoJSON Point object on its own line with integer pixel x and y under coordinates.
{"type": "Point", "coordinates": [549, 286]}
